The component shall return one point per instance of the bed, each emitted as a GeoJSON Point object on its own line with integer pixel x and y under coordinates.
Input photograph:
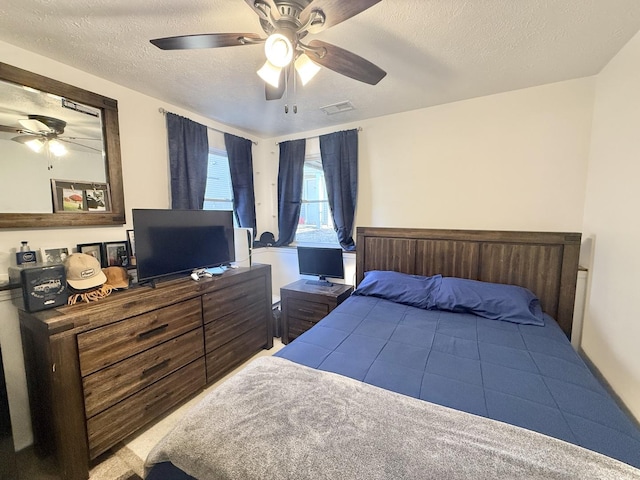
{"type": "Point", "coordinates": [408, 379]}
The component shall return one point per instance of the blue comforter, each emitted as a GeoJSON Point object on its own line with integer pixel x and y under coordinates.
{"type": "Point", "coordinates": [525, 375]}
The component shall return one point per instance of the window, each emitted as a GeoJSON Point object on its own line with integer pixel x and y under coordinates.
{"type": "Point", "coordinates": [219, 193]}
{"type": "Point", "coordinates": [315, 224]}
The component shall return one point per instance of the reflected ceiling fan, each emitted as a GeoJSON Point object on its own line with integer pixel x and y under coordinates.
{"type": "Point", "coordinates": [286, 23]}
{"type": "Point", "coordinates": [42, 133]}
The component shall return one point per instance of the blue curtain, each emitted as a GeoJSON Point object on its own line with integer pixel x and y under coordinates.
{"type": "Point", "coordinates": [339, 152]}
{"type": "Point", "coordinates": [241, 166]}
{"type": "Point", "coordinates": [188, 159]}
{"type": "Point", "coordinates": [290, 175]}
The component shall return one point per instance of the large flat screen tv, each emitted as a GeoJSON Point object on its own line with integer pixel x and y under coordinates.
{"type": "Point", "coordinates": [175, 241]}
{"type": "Point", "coordinates": [321, 262]}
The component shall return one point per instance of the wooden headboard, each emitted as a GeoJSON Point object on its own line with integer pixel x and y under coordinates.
{"type": "Point", "coordinates": [544, 262]}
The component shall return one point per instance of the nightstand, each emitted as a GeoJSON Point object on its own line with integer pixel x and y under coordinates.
{"type": "Point", "coordinates": [304, 304]}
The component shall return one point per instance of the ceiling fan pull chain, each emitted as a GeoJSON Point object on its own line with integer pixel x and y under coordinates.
{"type": "Point", "coordinates": [292, 74]}
{"type": "Point", "coordinates": [286, 87]}
{"type": "Point", "coordinates": [49, 162]}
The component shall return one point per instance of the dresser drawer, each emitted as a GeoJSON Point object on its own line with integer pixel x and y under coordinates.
{"type": "Point", "coordinates": [222, 302]}
{"type": "Point", "coordinates": [306, 310]}
{"type": "Point", "coordinates": [107, 345]}
{"type": "Point", "coordinates": [222, 330]}
{"type": "Point", "coordinates": [108, 386]}
{"type": "Point", "coordinates": [111, 426]}
{"type": "Point", "coordinates": [223, 359]}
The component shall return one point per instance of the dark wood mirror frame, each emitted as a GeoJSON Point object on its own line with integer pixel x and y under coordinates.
{"type": "Point", "coordinates": [111, 135]}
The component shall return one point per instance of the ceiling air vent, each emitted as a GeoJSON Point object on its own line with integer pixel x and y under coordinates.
{"type": "Point", "coordinates": [338, 107]}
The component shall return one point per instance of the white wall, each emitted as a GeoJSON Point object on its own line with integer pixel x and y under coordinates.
{"type": "Point", "coordinates": [611, 327]}
{"type": "Point", "coordinates": [505, 161]}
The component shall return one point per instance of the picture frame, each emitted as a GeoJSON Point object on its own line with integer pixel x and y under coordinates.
{"type": "Point", "coordinates": [77, 196]}
{"type": "Point", "coordinates": [116, 254]}
{"type": "Point", "coordinates": [132, 248]}
{"type": "Point", "coordinates": [94, 249]}
{"type": "Point", "coordinates": [54, 255]}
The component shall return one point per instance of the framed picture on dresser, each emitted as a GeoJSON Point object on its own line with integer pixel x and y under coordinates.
{"type": "Point", "coordinates": [116, 254]}
{"type": "Point", "coordinates": [94, 249]}
{"type": "Point", "coordinates": [132, 248]}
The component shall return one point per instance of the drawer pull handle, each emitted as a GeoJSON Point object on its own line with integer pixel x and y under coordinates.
{"type": "Point", "coordinates": [308, 312]}
{"type": "Point", "coordinates": [153, 332]}
{"type": "Point", "coordinates": [156, 400]}
{"type": "Point", "coordinates": [155, 368]}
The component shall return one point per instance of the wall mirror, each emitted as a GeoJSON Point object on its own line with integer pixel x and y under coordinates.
{"type": "Point", "coordinates": [53, 134]}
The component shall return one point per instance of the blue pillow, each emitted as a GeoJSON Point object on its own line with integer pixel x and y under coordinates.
{"type": "Point", "coordinates": [494, 301]}
{"type": "Point", "coordinates": [399, 287]}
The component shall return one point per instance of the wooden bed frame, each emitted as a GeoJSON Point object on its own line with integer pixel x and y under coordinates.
{"type": "Point", "coordinates": [544, 262]}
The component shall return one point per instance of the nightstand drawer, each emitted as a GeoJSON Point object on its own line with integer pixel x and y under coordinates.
{"type": "Point", "coordinates": [107, 345]}
{"type": "Point", "coordinates": [297, 327]}
{"type": "Point", "coordinates": [106, 387]}
{"type": "Point", "coordinates": [307, 310]}
{"type": "Point", "coordinates": [111, 426]}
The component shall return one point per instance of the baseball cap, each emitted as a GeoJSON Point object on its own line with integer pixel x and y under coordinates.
{"type": "Point", "coordinates": [117, 277]}
{"type": "Point", "coordinates": [83, 271]}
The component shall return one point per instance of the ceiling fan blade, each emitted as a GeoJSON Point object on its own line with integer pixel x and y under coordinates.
{"type": "Point", "coordinates": [275, 93]}
{"type": "Point", "coordinates": [6, 128]}
{"type": "Point", "coordinates": [345, 62]}
{"type": "Point", "coordinates": [24, 138]}
{"type": "Point", "coordinates": [35, 126]}
{"type": "Point", "coordinates": [66, 140]}
{"type": "Point", "coordinates": [255, 5]}
{"type": "Point", "coordinates": [205, 40]}
{"type": "Point", "coordinates": [93, 139]}
{"type": "Point", "coordinates": [335, 11]}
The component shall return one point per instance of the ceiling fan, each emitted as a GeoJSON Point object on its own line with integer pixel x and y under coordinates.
{"type": "Point", "coordinates": [286, 23]}
{"type": "Point", "coordinates": [39, 132]}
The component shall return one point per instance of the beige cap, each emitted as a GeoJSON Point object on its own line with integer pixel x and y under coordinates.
{"type": "Point", "coordinates": [117, 277]}
{"type": "Point", "coordinates": [83, 271]}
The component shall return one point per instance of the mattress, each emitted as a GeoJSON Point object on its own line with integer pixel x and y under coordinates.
{"type": "Point", "coordinates": [524, 375]}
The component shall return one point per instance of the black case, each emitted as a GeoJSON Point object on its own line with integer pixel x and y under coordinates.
{"type": "Point", "coordinates": [43, 287]}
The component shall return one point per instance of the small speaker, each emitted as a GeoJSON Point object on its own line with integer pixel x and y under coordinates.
{"type": "Point", "coordinates": [43, 287]}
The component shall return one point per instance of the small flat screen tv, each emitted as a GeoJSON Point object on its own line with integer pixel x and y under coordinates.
{"type": "Point", "coordinates": [321, 262]}
{"type": "Point", "coordinates": [175, 241]}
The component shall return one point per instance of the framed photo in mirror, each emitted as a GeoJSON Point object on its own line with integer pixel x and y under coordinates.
{"type": "Point", "coordinates": [80, 197]}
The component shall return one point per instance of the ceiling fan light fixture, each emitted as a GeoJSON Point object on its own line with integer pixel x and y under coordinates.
{"type": "Point", "coordinates": [278, 49]}
{"type": "Point", "coordinates": [270, 74]}
{"type": "Point", "coordinates": [35, 144]}
{"type": "Point", "coordinates": [306, 68]}
{"type": "Point", "coordinates": [57, 148]}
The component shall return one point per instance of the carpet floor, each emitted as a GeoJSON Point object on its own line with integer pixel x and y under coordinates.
{"type": "Point", "coordinates": [117, 464]}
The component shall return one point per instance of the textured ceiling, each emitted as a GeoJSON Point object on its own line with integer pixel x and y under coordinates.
{"type": "Point", "coordinates": [434, 52]}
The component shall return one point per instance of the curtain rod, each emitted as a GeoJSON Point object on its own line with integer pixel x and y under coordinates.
{"type": "Point", "coordinates": [163, 111]}
{"type": "Point", "coordinates": [308, 138]}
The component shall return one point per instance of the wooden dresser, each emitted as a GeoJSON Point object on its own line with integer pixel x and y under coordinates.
{"type": "Point", "coordinates": [305, 304]}
{"type": "Point", "coordinates": [98, 372]}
